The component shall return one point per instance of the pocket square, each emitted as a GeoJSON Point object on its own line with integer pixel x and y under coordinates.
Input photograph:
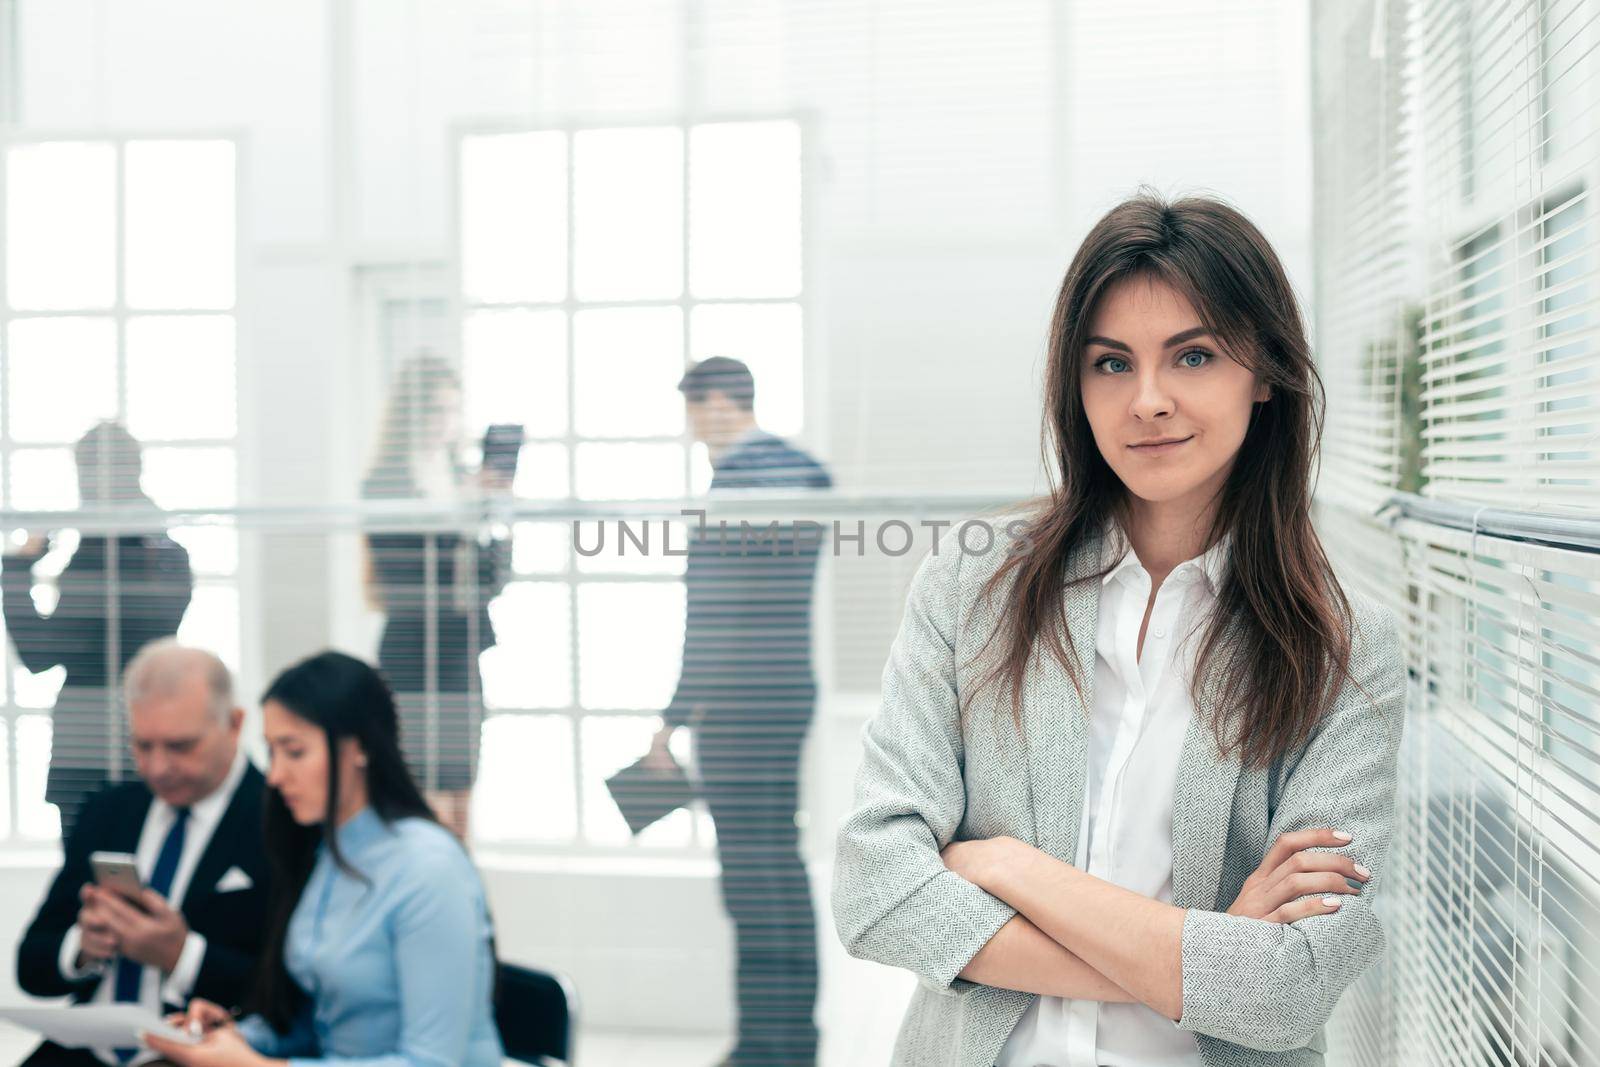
{"type": "Point", "coordinates": [233, 881]}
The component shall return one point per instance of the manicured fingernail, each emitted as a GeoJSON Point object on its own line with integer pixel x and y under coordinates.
{"type": "Point", "coordinates": [1362, 871]}
{"type": "Point", "coordinates": [1330, 902]}
{"type": "Point", "coordinates": [1352, 883]}
{"type": "Point", "coordinates": [1341, 835]}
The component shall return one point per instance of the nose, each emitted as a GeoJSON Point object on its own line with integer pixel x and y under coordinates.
{"type": "Point", "coordinates": [275, 774]}
{"type": "Point", "coordinates": [1152, 400]}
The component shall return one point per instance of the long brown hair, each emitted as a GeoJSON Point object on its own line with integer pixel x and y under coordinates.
{"type": "Point", "coordinates": [1279, 639]}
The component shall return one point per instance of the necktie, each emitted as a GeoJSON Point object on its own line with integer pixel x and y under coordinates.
{"type": "Point", "coordinates": [130, 972]}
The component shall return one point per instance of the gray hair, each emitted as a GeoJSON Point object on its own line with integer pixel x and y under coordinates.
{"type": "Point", "coordinates": [161, 668]}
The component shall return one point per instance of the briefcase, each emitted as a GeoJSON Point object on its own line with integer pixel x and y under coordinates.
{"type": "Point", "coordinates": [645, 794]}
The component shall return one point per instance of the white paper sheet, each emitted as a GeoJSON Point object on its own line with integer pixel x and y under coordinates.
{"type": "Point", "coordinates": [94, 1025]}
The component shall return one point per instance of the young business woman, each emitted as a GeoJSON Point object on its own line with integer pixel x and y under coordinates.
{"type": "Point", "coordinates": [1129, 793]}
{"type": "Point", "coordinates": [379, 948]}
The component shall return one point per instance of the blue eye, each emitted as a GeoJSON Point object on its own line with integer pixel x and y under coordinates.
{"type": "Point", "coordinates": [1111, 365]}
{"type": "Point", "coordinates": [1200, 358]}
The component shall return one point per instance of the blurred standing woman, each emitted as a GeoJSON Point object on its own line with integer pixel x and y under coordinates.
{"type": "Point", "coordinates": [1129, 795]}
{"type": "Point", "coordinates": [379, 946]}
{"type": "Point", "coordinates": [434, 588]}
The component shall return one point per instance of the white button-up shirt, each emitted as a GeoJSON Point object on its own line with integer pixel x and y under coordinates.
{"type": "Point", "coordinates": [1142, 708]}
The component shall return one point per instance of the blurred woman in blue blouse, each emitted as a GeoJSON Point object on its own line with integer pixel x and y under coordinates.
{"type": "Point", "coordinates": [379, 952]}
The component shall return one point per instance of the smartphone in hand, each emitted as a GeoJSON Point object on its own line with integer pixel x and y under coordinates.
{"type": "Point", "coordinates": [118, 872]}
{"type": "Point", "coordinates": [502, 445]}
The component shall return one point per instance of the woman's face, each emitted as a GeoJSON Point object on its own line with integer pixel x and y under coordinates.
{"type": "Point", "coordinates": [441, 422]}
{"type": "Point", "coordinates": [299, 766]}
{"type": "Point", "coordinates": [1167, 407]}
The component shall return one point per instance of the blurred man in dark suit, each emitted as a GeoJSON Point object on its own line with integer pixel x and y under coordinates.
{"type": "Point", "coordinates": [747, 691]}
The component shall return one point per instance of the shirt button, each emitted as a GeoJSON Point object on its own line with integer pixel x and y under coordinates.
{"type": "Point", "coordinates": [1160, 632]}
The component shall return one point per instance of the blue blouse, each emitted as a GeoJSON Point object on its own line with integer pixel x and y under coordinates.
{"type": "Point", "coordinates": [397, 968]}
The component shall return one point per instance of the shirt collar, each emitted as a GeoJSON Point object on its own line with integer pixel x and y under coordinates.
{"type": "Point", "coordinates": [208, 810]}
{"type": "Point", "coordinates": [1213, 562]}
{"type": "Point", "coordinates": [745, 440]}
{"type": "Point", "coordinates": [362, 828]}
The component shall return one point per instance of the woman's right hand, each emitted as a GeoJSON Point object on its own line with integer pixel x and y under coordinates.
{"type": "Point", "coordinates": [1290, 871]}
{"type": "Point", "coordinates": [201, 1018]}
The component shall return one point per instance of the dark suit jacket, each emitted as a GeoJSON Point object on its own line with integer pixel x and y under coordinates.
{"type": "Point", "coordinates": [747, 625]}
{"type": "Point", "coordinates": [146, 601]}
{"type": "Point", "coordinates": [232, 923]}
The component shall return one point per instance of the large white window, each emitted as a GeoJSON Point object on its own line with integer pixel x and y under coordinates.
{"type": "Point", "coordinates": [118, 293]}
{"type": "Point", "coordinates": [594, 264]}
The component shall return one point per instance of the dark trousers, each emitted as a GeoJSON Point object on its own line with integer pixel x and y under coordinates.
{"type": "Point", "coordinates": [51, 1054]}
{"type": "Point", "coordinates": [751, 776]}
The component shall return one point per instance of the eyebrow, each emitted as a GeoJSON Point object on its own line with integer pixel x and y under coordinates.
{"type": "Point", "coordinates": [1176, 339]}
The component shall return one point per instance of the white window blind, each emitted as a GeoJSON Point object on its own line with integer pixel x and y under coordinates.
{"type": "Point", "coordinates": [1458, 300]}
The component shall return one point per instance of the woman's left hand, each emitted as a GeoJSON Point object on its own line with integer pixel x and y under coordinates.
{"type": "Point", "coordinates": [222, 1047]}
{"type": "Point", "coordinates": [978, 861]}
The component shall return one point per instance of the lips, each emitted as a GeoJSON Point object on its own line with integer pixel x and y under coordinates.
{"type": "Point", "coordinates": [1160, 445]}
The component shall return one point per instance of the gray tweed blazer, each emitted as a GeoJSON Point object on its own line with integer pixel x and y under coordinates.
{"type": "Point", "coordinates": [1255, 993]}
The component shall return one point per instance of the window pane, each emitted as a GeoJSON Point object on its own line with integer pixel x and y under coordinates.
{"type": "Point", "coordinates": [180, 224]}
{"type": "Point", "coordinates": [35, 818]}
{"type": "Point", "coordinates": [628, 363]}
{"type": "Point", "coordinates": [530, 666]}
{"type": "Point", "coordinates": [610, 743]}
{"type": "Point", "coordinates": [633, 546]}
{"type": "Point", "coordinates": [630, 472]}
{"type": "Point", "coordinates": [516, 370]}
{"type": "Point", "coordinates": [212, 622]}
{"type": "Point", "coordinates": [700, 471]}
{"type": "Point", "coordinates": [191, 477]}
{"type": "Point", "coordinates": [514, 217]}
{"type": "Point", "coordinates": [539, 548]}
{"type": "Point", "coordinates": [542, 473]}
{"type": "Point", "coordinates": [213, 550]}
{"type": "Point", "coordinates": [629, 231]}
{"type": "Point", "coordinates": [180, 377]}
{"type": "Point", "coordinates": [61, 226]}
{"type": "Point", "coordinates": [37, 690]}
{"type": "Point", "coordinates": [63, 377]}
{"type": "Point", "coordinates": [744, 209]}
{"type": "Point", "coordinates": [44, 479]}
{"type": "Point", "coordinates": [630, 642]}
{"type": "Point", "coordinates": [767, 337]}
{"type": "Point", "coordinates": [525, 790]}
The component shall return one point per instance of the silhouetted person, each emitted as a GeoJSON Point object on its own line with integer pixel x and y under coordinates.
{"type": "Point", "coordinates": [112, 603]}
{"type": "Point", "coordinates": [748, 692]}
{"type": "Point", "coordinates": [434, 588]}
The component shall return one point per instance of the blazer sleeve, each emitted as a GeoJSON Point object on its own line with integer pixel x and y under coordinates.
{"type": "Point", "coordinates": [894, 901]}
{"type": "Point", "coordinates": [38, 955]}
{"type": "Point", "coordinates": [1272, 986]}
{"type": "Point", "coordinates": [37, 638]}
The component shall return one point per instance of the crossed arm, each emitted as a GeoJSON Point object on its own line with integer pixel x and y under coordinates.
{"type": "Point", "coordinates": [1082, 937]}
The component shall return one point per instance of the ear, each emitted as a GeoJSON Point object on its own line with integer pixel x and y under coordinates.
{"type": "Point", "coordinates": [351, 752]}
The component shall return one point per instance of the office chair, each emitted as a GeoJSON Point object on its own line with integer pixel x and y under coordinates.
{"type": "Point", "coordinates": [534, 1011]}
